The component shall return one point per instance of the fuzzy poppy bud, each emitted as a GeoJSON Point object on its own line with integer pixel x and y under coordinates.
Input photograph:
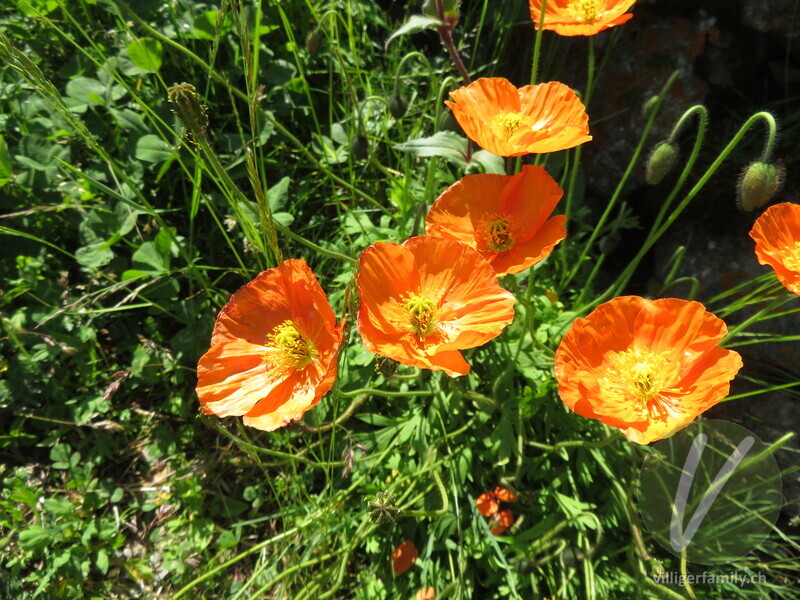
{"type": "Point", "coordinates": [430, 9]}
{"type": "Point", "coordinates": [313, 41]}
{"type": "Point", "coordinates": [447, 122]}
{"type": "Point", "coordinates": [662, 159]}
{"type": "Point", "coordinates": [758, 184]}
{"type": "Point", "coordinates": [359, 147]}
{"type": "Point", "coordinates": [398, 105]}
{"type": "Point", "coordinates": [188, 107]}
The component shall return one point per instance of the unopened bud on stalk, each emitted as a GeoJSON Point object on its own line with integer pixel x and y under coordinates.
{"type": "Point", "coordinates": [759, 183]}
{"type": "Point", "coordinates": [359, 147]}
{"type": "Point", "coordinates": [662, 159]}
{"type": "Point", "coordinates": [430, 9]}
{"type": "Point", "coordinates": [189, 108]}
{"type": "Point", "coordinates": [649, 106]}
{"type": "Point", "coordinates": [398, 105]}
{"type": "Point", "coordinates": [313, 41]}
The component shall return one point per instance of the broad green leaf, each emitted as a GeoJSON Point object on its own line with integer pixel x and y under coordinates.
{"type": "Point", "coordinates": [128, 121]}
{"type": "Point", "coordinates": [205, 25]}
{"type": "Point", "coordinates": [96, 255]}
{"type": "Point", "coordinates": [35, 538]}
{"type": "Point", "coordinates": [151, 148]}
{"type": "Point", "coordinates": [147, 54]}
{"type": "Point", "coordinates": [87, 90]}
{"type": "Point", "coordinates": [101, 562]}
{"type": "Point", "coordinates": [278, 193]}
{"type": "Point", "coordinates": [446, 144]}
{"type": "Point", "coordinates": [57, 506]}
{"type": "Point", "coordinates": [414, 24]}
{"type": "Point", "coordinates": [148, 258]}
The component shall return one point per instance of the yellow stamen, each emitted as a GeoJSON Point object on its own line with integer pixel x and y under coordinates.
{"type": "Point", "coordinates": [422, 314]}
{"type": "Point", "coordinates": [585, 11]}
{"type": "Point", "coordinates": [295, 349]}
{"type": "Point", "coordinates": [505, 124]}
{"type": "Point", "coordinates": [642, 376]}
{"type": "Point", "coordinates": [499, 237]}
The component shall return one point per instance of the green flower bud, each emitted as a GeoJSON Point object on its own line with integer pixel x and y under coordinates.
{"type": "Point", "coordinates": [313, 41]}
{"type": "Point", "coordinates": [398, 105]}
{"type": "Point", "coordinates": [649, 106]}
{"type": "Point", "coordinates": [662, 159]}
{"type": "Point", "coordinates": [758, 184]}
{"type": "Point", "coordinates": [430, 9]}
{"type": "Point", "coordinates": [188, 107]}
{"type": "Point", "coordinates": [359, 147]}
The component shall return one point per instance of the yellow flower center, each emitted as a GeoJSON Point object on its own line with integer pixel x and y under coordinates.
{"type": "Point", "coordinates": [792, 259]}
{"type": "Point", "coordinates": [585, 11]}
{"type": "Point", "coordinates": [295, 349]}
{"type": "Point", "coordinates": [499, 237]}
{"type": "Point", "coordinates": [422, 314]}
{"type": "Point", "coordinates": [640, 375]}
{"type": "Point", "coordinates": [505, 124]}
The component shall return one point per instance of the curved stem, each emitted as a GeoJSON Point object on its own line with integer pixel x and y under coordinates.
{"type": "Point", "coordinates": [447, 38]}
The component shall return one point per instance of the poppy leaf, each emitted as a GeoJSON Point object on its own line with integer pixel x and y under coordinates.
{"type": "Point", "coordinates": [445, 144]}
{"type": "Point", "coordinates": [415, 24]}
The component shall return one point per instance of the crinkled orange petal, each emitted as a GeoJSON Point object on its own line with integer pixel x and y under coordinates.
{"type": "Point", "coordinates": [504, 494]}
{"type": "Point", "coordinates": [562, 16]}
{"type": "Point", "coordinates": [243, 375]}
{"type": "Point", "coordinates": [526, 254]}
{"type": "Point", "coordinates": [555, 117]}
{"type": "Point", "coordinates": [233, 377]}
{"type": "Point", "coordinates": [295, 396]}
{"type": "Point", "coordinates": [531, 197]}
{"type": "Point", "coordinates": [464, 206]}
{"type": "Point", "coordinates": [288, 292]}
{"type": "Point", "coordinates": [487, 504]}
{"type": "Point", "coordinates": [777, 236]}
{"type": "Point", "coordinates": [403, 557]}
{"type": "Point", "coordinates": [526, 200]}
{"type": "Point", "coordinates": [501, 521]}
{"type": "Point", "coordinates": [471, 307]}
{"type": "Point", "coordinates": [474, 308]}
{"type": "Point", "coordinates": [560, 118]}
{"type": "Point", "coordinates": [679, 336]}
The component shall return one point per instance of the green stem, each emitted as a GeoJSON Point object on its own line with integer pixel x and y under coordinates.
{"type": "Point", "coordinates": [538, 45]}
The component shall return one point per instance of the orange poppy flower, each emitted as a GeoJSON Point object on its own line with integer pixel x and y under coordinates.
{"type": "Point", "coordinates": [424, 300]}
{"type": "Point", "coordinates": [506, 218]}
{"type": "Point", "coordinates": [580, 17]}
{"type": "Point", "coordinates": [501, 521]}
{"type": "Point", "coordinates": [508, 121]}
{"type": "Point", "coordinates": [273, 349]}
{"type": "Point", "coordinates": [403, 557]}
{"type": "Point", "coordinates": [647, 367]}
{"type": "Point", "coordinates": [426, 593]}
{"type": "Point", "coordinates": [488, 503]}
{"type": "Point", "coordinates": [777, 236]}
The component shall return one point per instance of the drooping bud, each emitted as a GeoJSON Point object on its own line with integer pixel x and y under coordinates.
{"type": "Point", "coordinates": [188, 107]}
{"type": "Point", "coordinates": [398, 105]}
{"type": "Point", "coordinates": [313, 41]}
{"type": "Point", "coordinates": [430, 9]}
{"type": "Point", "coordinates": [759, 183]}
{"type": "Point", "coordinates": [649, 106]}
{"type": "Point", "coordinates": [359, 147]}
{"type": "Point", "coordinates": [662, 159]}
